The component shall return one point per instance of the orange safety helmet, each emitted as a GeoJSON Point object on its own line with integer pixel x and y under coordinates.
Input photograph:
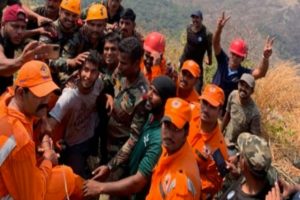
{"type": "Point", "coordinates": [96, 12]}
{"type": "Point", "coordinates": [71, 5]}
{"type": "Point", "coordinates": [155, 42]}
{"type": "Point", "coordinates": [239, 47]}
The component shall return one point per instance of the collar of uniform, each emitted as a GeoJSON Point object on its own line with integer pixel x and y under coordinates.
{"type": "Point", "coordinates": [192, 97]}
{"type": "Point", "coordinates": [167, 160]}
{"type": "Point", "coordinates": [209, 135]}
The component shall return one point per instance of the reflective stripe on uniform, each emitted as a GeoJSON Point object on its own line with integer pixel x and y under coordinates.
{"type": "Point", "coordinates": [7, 148]}
{"type": "Point", "coordinates": [191, 187]}
{"type": "Point", "coordinates": [7, 197]}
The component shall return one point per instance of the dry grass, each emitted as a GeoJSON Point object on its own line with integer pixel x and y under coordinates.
{"type": "Point", "coordinates": [278, 97]}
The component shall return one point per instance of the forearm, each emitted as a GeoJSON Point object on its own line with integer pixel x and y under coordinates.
{"type": "Point", "coordinates": [30, 13]}
{"type": "Point", "coordinates": [261, 69]}
{"type": "Point", "coordinates": [31, 33]}
{"type": "Point", "coordinates": [123, 154]}
{"type": "Point", "coordinates": [225, 122]}
{"type": "Point", "coordinates": [126, 186]}
{"type": "Point", "coordinates": [217, 40]}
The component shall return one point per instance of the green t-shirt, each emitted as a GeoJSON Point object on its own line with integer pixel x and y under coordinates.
{"type": "Point", "coordinates": [146, 152]}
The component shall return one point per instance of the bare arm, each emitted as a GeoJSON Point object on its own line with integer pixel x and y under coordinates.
{"type": "Point", "coordinates": [261, 70]}
{"type": "Point", "coordinates": [123, 187]}
{"type": "Point", "coordinates": [217, 35]}
{"type": "Point", "coordinates": [8, 66]}
{"type": "Point", "coordinates": [32, 15]}
{"type": "Point", "coordinates": [225, 121]}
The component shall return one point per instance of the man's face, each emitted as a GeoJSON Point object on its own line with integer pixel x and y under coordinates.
{"type": "Point", "coordinates": [186, 80]}
{"type": "Point", "coordinates": [148, 60]}
{"type": "Point", "coordinates": [209, 113]}
{"type": "Point", "coordinates": [244, 90]}
{"type": "Point", "coordinates": [95, 28]}
{"type": "Point", "coordinates": [172, 137]}
{"type": "Point", "coordinates": [33, 105]}
{"type": "Point", "coordinates": [67, 18]}
{"type": "Point", "coordinates": [52, 6]}
{"type": "Point", "coordinates": [196, 21]}
{"type": "Point", "coordinates": [153, 99]}
{"type": "Point", "coordinates": [127, 27]}
{"type": "Point", "coordinates": [235, 60]}
{"type": "Point", "coordinates": [88, 75]}
{"type": "Point", "coordinates": [126, 67]}
{"type": "Point", "coordinates": [114, 5]}
{"type": "Point", "coordinates": [15, 31]}
{"type": "Point", "coordinates": [111, 52]}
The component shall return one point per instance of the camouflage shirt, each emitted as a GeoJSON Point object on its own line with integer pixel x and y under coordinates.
{"type": "Point", "coordinates": [59, 67]}
{"type": "Point", "coordinates": [127, 118]}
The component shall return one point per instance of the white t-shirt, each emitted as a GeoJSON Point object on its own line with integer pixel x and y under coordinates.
{"type": "Point", "coordinates": [79, 112]}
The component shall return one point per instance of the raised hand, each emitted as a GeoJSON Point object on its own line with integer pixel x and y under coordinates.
{"type": "Point", "coordinates": [268, 47]}
{"type": "Point", "coordinates": [222, 20]}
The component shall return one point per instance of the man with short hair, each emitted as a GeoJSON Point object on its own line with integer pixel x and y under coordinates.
{"type": "Point", "coordinates": [114, 10]}
{"type": "Point", "coordinates": [12, 36]}
{"type": "Point", "coordinates": [176, 175]}
{"type": "Point", "coordinates": [206, 138]}
{"type": "Point", "coordinates": [111, 53]}
{"type": "Point", "coordinates": [128, 114]}
{"type": "Point", "coordinates": [254, 160]}
{"type": "Point", "coordinates": [76, 109]}
{"type": "Point", "coordinates": [242, 114]}
{"type": "Point", "coordinates": [187, 80]}
{"type": "Point", "coordinates": [147, 150]}
{"type": "Point", "coordinates": [199, 42]}
{"type": "Point", "coordinates": [24, 175]}
{"type": "Point", "coordinates": [127, 25]}
{"type": "Point", "coordinates": [229, 68]}
{"type": "Point", "coordinates": [50, 9]}
{"type": "Point", "coordinates": [65, 26]}
{"type": "Point", "coordinates": [89, 36]}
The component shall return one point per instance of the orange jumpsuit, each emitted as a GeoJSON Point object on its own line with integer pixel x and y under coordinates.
{"type": "Point", "coordinates": [176, 176]}
{"type": "Point", "coordinates": [21, 178]}
{"type": "Point", "coordinates": [192, 98]}
{"type": "Point", "coordinates": [204, 144]}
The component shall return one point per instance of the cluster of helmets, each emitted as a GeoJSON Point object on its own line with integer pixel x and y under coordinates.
{"type": "Point", "coordinates": [96, 11]}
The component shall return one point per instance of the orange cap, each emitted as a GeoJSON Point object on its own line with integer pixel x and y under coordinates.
{"type": "Point", "coordinates": [35, 75]}
{"type": "Point", "coordinates": [213, 94]}
{"type": "Point", "coordinates": [71, 5]}
{"type": "Point", "coordinates": [177, 111]}
{"type": "Point", "coordinates": [192, 67]}
{"type": "Point", "coordinates": [96, 11]}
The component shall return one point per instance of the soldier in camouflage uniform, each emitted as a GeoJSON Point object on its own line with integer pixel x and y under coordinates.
{"type": "Point", "coordinates": [255, 161]}
{"type": "Point", "coordinates": [127, 25]}
{"type": "Point", "coordinates": [65, 27]}
{"type": "Point", "coordinates": [129, 113]}
{"type": "Point", "coordinates": [90, 36]}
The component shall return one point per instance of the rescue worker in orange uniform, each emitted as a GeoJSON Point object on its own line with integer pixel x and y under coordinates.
{"type": "Point", "coordinates": [188, 76]}
{"type": "Point", "coordinates": [205, 137]}
{"type": "Point", "coordinates": [22, 176]}
{"type": "Point", "coordinates": [176, 175]}
{"type": "Point", "coordinates": [154, 63]}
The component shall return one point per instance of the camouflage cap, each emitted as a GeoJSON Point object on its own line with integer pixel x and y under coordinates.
{"type": "Point", "coordinates": [256, 151]}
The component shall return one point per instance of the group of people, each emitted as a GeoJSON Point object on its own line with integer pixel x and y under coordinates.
{"type": "Point", "coordinates": [95, 110]}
